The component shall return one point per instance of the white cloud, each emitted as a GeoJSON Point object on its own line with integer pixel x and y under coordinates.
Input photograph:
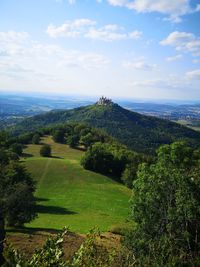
{"type": "Point", "coordinates": [87, 28]}
{"type": "Point", "coordinates": [174, 9]}
{"type": "Point", "coordinates": [106, 33]}
{"type": "Point", "coordinates": [12, 36]}
{"type": "Point", "coordinates": [183, 41]}
{"type": "Point", "coordinates": [76, 59]}
{"type": "Point", "coordinates": [135, 35]}
{"type": "Point", "coordinates": [71, 2]}
{"type": "Point", "coordinates": [23, 58]}
{"type": "Point", "coordinates": [69, 28]}
{"type": "Point", "coordinates": [118, 2]}
{"type": "Point", "coordinates": [193, 75]}
{"type": "Point", "coordinates": [170, 82]}
{"type": "Point", "coordinates": [147, 83]}
{"type": "Point", "coordinates": [196, 61]}
{"type": "Point", "coordinates": [174, 58]}
{"type": "Point", "coordinates": [112, 33]}
{"type": "Point", "coordinates": [197, 8]}
{"type": "Point", "coordinates": [139, 64]}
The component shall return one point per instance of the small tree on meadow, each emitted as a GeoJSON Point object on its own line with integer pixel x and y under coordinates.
{"type": "Point", "coordinates": [45, 151]}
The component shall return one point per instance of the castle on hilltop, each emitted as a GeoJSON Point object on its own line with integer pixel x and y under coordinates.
{"type": "Point", "coordinates": [104, 101]}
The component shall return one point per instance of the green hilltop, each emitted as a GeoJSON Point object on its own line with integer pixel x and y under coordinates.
{"type": "Point", "coordinates": [139, 132]}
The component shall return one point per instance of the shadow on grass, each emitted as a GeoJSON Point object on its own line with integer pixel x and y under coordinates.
{"type": "Point", "coordinates": [56, 157]}
{"type": "Point", "coordinates": [27, 155]}
{"type": "Point", "coordinates": [41, 199]}
{"type": "Point", "coordinates": [51, 157]}
{"type": "Point", "coordinates": [42, 143]}
{"type": "Point", "coordinates": [32, 230]}
{"type": "Point", "coordinates": [79, 148]}
{"type": "Point", "coordinates": [53, 210]}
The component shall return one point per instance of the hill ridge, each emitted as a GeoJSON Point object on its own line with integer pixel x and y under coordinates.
{"type": "Point", "coordinates": [139, 132]}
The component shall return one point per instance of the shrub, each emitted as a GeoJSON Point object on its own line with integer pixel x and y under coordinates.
{"type": "Point", "coordinates": [45, 151]}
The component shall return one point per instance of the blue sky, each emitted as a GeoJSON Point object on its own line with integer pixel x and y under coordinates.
{"type": "Point", "coordinates": [147, 49]}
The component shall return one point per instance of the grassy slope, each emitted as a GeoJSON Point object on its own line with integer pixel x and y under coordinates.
{"type": "Point", "coordinates": [71, 196]}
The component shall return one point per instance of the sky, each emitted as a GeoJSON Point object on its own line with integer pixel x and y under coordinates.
{"type": "Point", "coordinates": [144, 49]}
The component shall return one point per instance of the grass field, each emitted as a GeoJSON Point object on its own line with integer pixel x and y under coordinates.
{"type": "Point", "coordinates": [70, 196]}
{"type": "Point", "coordinates": [189, 124]}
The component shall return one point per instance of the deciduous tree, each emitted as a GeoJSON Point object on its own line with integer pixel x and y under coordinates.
{"type": "Point", "coordinates": [166, 209]}
{"type": "Point", "coordinates": [45, 151]}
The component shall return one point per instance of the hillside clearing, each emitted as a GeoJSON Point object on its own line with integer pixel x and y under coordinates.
{"type": "Point", "coordinates": [69, 195]}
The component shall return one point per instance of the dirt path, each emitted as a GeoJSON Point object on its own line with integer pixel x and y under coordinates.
{"type": "Point", "coordinates": [44, 172]}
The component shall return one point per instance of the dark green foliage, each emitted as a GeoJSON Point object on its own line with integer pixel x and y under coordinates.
{"type": "Point", "coordinates": [140, 133]}
{"type": "Point", "coordinates": [2, 235]}
{"type": "Point", "coordinates": [45, 151]}
{"type": "Point", "coordinates": [73, 141]}
{"type": "Point", "coordinates": [130, 171]}
{"type": "Point", "coordinates": [17, 188]}
{"type": "Point", "coordinates": [87, 140]}
{"type": "Point", "coordinates": [25, 138]}
{"type": "Point", "coordinates": [4, 158]}
{"type": "Point", "coordinates": [59, 136]}
{"type": "Point", "coordinates": [36, 139]}
{"type": "Point", "coordinates": [17, 203]}
{"type": "Point", "coordinates": [129, 174]}
{"type": "Point", "coordinates": [166, 208]}
{"type": "Point", "coordinates": [20, 205]}
{"type": "Point", "coordinates": [98, 159]}
{"type": "Point", "coordinates": [4, 137]}
{"type": "Point", "coordinates": [17, 148]}
{"type": "Point", "coordinates": [110, 158]}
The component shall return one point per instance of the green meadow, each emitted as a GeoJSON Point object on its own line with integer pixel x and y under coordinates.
{"type": "Point", "coordinates": [68, 195]}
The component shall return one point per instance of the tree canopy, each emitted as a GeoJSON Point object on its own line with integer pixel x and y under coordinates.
{"type": "Point", "coordinates": [45, 151]}
{"type": "Point", "coordinates": [17, 203]}
{"type": "Point", "coordinates": [166, 209]}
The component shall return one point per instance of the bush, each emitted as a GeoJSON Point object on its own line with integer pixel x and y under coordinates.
{"type": "Point", "coordinates": [45, 151]}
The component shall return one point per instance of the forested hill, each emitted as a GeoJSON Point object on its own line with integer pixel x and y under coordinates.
{"type": "Point", "coordinates": [139, 132]}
